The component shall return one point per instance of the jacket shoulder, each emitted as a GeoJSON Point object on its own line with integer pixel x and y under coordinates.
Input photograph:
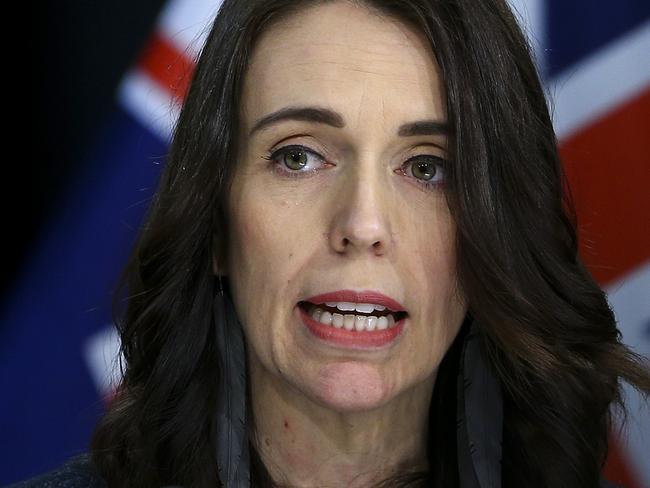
{"type": "Point", "coordinates": [77, 472]}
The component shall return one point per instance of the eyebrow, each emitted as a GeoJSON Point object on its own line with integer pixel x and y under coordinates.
{"type": "Point", "coordinates": [326, 116]}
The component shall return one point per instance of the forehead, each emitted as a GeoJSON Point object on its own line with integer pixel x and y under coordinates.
{"type": "Point", "coordinates": [362, 64]}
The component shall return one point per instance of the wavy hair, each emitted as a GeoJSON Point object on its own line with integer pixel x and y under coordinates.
{"type": "Point", "coordinates": [546, 326]}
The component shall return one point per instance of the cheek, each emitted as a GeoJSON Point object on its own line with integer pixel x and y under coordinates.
{"type": "Point", "coordinates": [262, 239]}
{"type": "Point", "coordinates": [267, 246]}
{"type": "Point", "coordinates": [434, 259]}
{"type": "Point", "coordinates": [444, 304]}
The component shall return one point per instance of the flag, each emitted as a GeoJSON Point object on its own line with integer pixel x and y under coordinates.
{"type": "Point", "coordinates": [58, 347]}
{"type": "Point", "coordinates": [57, 341]}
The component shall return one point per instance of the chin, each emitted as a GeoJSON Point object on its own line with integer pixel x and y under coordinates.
{"type": "Point", "coordinates": [351, 386]}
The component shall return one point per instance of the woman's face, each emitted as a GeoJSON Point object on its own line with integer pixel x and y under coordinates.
{"type": "Point", "coordinates": [359, 206]}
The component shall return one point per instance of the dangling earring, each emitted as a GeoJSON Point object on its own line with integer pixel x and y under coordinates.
{"type": "Point", "coordinates": [479, 417]}
{"type": "Point", "coordinates": [233, 461]}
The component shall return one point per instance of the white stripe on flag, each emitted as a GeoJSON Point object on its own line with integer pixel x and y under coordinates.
{"type": "Point", "coordinates": [187, 24]}
{"type": "Point", "coordinates": [101, 352]}
{"type": "Point", "coordinates": [597, 84]}
{"type": "Point", "coordinates": [149, 103]}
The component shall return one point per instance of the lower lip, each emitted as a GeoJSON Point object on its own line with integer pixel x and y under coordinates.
{"type": "Point", "coordinates": [352, 339]}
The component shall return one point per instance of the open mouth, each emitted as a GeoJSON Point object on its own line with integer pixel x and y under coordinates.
{"type": "Point", "coordinates": [349, 316]}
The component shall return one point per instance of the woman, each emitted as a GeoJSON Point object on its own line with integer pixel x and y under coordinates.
{"type": "Point", "coordinates": [360, 267]}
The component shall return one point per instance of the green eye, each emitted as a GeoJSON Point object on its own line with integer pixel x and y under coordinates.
{"type": "Point", "coordinates": [424, 170]}
{"type": "Point", "coordinates": [295, 159]}
{"type": "Point", "coordinates": [427, 170]}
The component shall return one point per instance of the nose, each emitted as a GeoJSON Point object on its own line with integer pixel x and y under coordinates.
{"type": "Point", "coordinates": [361, 223]}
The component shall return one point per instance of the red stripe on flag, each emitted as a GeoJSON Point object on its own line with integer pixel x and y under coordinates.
{"type": "Point", "coordinates": [169, 67]}
{"type": "Point", "coordinates": [616, 469]}
{"type": "Point", "coordinates": [608, 167]}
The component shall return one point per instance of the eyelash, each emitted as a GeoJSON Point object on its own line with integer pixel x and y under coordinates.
{"type": "Point", "coordinates": [274, 155]}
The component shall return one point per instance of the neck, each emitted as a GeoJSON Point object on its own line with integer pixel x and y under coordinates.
{"type": "Point", "coordinates": [304, 443]}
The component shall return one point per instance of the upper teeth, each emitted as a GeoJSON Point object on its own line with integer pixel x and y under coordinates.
{"type": "Point", "coordinates": [359, 307]}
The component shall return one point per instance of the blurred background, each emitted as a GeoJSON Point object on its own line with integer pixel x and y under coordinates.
{"type": "Point", "coordinates": [105, 83]}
